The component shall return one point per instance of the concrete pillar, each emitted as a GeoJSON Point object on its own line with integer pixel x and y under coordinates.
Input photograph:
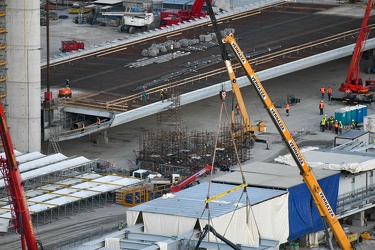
{"type": "Point", "coordinates": [23, 85]}
{"type": "Point", "coordinates": [102, 137]}
{"type": "Point", "coordinates": [359, 219]}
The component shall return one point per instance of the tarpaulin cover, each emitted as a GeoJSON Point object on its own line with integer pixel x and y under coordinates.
{"type": "Point", "coordinates": [304, 217]}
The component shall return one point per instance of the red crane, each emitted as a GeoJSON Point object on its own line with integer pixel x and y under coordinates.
{"type": "Point", "coordinates": [179, 186]}
{"type": "Point", "coordinates": [353, 82]}
{"type": "Point", "coordinates": [21, 217]}
{"type": "Point", "coordinates": [170, 17]}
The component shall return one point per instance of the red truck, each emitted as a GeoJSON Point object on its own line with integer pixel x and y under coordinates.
{"type": "Point", "coordinates": [67, 46]}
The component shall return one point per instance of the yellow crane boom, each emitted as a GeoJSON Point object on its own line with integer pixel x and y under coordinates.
{"type": "Point", "coordinates": [308, 176]}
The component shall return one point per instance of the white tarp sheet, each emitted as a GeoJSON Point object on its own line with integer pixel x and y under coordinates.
{"type": "Point", "coordinates": [233, 227]}
{"type": "Point", "coordinates": [332, 161]}
{"type": "Point", "coordinates": [276, 225]}
{"type": "Point", "coordinates": [131, 217]}
{"type": "Point", "coordinates": [167, 224]}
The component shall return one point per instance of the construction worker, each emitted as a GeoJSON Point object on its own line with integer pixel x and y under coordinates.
{"type": "Point", "coordinates": [329, 93]}
{"type": "Point", "coordinates": [82, 127]}
{"type": "Point", "coordinates": [336, 127]}
{"type": "Point", "coordinates": [237, 107]}
{"type": "Point", "coordinates": [163, 95]}
{"type": "Point", "coordinates": [120, 226]}
{"type": "Point", "coordinates": [144, 96]}
{"type": "Point", "coordinates": [287, 107]}
{"type": "Point", "coordinates": [322, 91]}
{"type": "Point", "coordinates": [354, 124]}
{"type": "Point", "coordinates": [323, 124]}
{"type": "Point", "coordinates": [98, 121]}
{"type": "Point", "coordinates": [67, 85]}
{"type": "Point", "coordinates": [321, 107]}
{"type": "Point", "coordinates": [331, 121]}
{"type": "Point", "coordinates": [340, 127]}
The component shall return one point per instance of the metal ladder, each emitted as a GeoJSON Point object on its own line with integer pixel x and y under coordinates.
{"type": "Point", "coordinates": [55, 145]}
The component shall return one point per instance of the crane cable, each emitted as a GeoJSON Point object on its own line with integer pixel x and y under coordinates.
{"type": "Point", "coordinates": [223, 106]}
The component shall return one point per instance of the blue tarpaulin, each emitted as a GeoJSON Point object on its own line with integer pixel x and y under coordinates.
{"type": "Point", "coordinates": [304, 217]}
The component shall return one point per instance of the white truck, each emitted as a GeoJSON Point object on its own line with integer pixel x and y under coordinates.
{"type": "Point", "coordinates": [132, 21]}
{"type": "Point", "coordinates": [155, 178]}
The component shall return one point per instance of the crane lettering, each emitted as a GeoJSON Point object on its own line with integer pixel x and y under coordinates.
{"type": "Point", "coordinates": [256, 84]}
{"type": "Point", "coordinates": [296, 152]}
{"type": "Point", "coordinates": [326, 204]}
{"type": "Point", "coordinates": [277, 119]}
{"type": "Point", "coordinates": [238, 52]}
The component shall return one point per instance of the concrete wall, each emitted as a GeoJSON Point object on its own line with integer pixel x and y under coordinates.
{"type": "Point", "coordinates": [23, 74]}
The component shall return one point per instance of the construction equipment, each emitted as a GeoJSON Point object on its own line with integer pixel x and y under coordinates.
{"type": "Point", "coordinates": [243, 131]}
{"type": "Point", "coordinates": [170, 17]}
{"type": "Point", "coordinates": [308, 176]}
{"type": "Point", "coordinates": [132, 21]}
{"type": "Point", "coordinates": [67, 46]}
{"type": "Point", "coordinates": [185, 183]}
{"type": "Point", "coordinates": [65, 92]}
{"type": "Point", "coordinates": [21, 217]}
{"type": "Point", "coordinates": [354, 87]}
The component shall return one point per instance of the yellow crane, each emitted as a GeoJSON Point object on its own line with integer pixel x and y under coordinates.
{"type": "Point", "coordinates": [306, 172]}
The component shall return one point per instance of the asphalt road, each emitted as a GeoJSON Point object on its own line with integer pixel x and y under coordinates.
{"type": "Point", "coordinates": [287, 26]}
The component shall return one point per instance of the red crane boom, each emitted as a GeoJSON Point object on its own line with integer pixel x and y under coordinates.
{"type": "Point", "coordinates": [353, 82]}
{"type": "Point", "coordinates": [179, 186]}
{"type": "Point", "coordinates": [21, 217]}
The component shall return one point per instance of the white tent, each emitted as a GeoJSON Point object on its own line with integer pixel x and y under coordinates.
{"type": "Point", "coordinates": [229, 214]}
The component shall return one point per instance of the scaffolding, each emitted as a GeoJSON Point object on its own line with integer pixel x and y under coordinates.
{"type": "Point", "coordinates": [172, 149]}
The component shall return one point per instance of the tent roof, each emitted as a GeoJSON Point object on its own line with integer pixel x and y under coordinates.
{"type": "Point", "coordinates": [84, 186]}
{"type": "Point", "coordinates": [263, 174]}
{"type": "Point", "coordinates": [190, 202]}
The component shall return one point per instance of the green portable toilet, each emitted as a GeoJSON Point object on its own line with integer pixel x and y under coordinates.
{"type": "Point", "coordinates": [353, 112]}
{"type": "Point", "coordinates": [340, 115]}
{"type": "Point", "coordinates": [348, 116]}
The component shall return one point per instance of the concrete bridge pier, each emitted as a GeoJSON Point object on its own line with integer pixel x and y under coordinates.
{"type": "Point", "coordinates": [102, 137]}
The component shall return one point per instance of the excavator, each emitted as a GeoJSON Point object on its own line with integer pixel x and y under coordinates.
{"type": "Point", "coordinates": [21, 217]}
{"type": "Point", "coordinates": [320, 200]}
{"type": "Point", "coordinates": [355, 88]}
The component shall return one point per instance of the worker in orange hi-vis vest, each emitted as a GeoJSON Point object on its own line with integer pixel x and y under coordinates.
{"type": "Point", "coordinates": [237, 109]}
{"type": "Point", "coordinates": [322, 91]}
{"type": "Point", "coordinates": [336, 127]}
{"type": "Point", "coordinates": [287, 107]}
{"type": "Point", "coordinates": [329, 93]}
{"type": "Point", "coordinates": [321, 107]}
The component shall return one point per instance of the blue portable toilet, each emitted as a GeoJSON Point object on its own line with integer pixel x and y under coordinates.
{"type": "Point", "coordinates": [364, 109]}
{"type": "Point", "coordinates": [359, 115]}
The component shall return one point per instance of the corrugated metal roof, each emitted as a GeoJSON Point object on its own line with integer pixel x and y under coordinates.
{"type": "Point", "coordinates": [191, 201]}
{"type": "Point", "coordinates": [352, 134]}
{"type": "Point", "coordinates": [262, 174]}
{"type": "Point", "coordinates": [336, 157]}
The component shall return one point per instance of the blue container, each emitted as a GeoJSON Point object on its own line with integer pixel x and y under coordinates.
{"type": "Point", "coordinates": [340, 115]}
{"type": "Point", "coordinates": [359, 117]}
{"type": "Point", "coordinates": [364, 109]}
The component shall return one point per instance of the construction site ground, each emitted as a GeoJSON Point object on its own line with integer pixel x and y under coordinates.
{"type": "Point", "coordinates": [303, 122]}
{"type": "Point", "coordinates": [123, 144]}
